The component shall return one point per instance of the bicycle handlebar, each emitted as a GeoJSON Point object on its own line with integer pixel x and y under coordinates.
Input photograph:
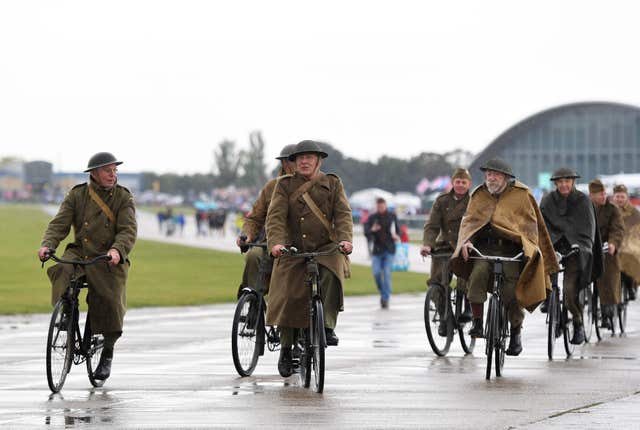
{"type": "Point", "coordinates": [575, 249]}
{"type": "Point", "coordinates": [244, 245]}
{"type": "Point", "coordinates": [481, 256]}
{"type": "Point", "coordinates": [441, 255]}
{"type": "Point", "coordinates": [292, 251]}
{"type": "Point", "coordinates": [51, 255]}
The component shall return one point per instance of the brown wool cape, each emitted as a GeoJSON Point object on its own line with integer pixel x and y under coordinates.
{"type": "Point", "coordinates": [514, 215]}
{"type": "Point", "coordinates": [629, 252]}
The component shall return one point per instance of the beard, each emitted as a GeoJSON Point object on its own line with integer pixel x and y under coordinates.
{"type": "Point", "coordinates": [494, 186]}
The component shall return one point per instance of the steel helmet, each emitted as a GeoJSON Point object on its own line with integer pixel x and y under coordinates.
{"type": "Point", "coordinates": [101, 159]}
{"type": "Point", "coordinates": [498, 165]}
{"type": "Point", "coordinates": [307, 146]}
{"type": "Point", "coordinates": [284, 154]}
{"type": "Point", "coordinates": [564, 172]}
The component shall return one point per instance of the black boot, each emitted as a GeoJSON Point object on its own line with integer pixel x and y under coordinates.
{"type": "Point", "coordinates": [442, 327]}
{"type": "Point", "coordinates": [545, 305]}
{"type": "Point", "coordinates": [515, 343]}
{"type": "Point", "coordinates": [103, 371]}
{"type": "Point", "coordinates": [607, 316]}
{"type": "Point", "coordinates": [466, 315]}
{"type": "Point", "coordinates": [578, 334]}
{"type": "Point", "coordinates": [632, 292]}
{"type": "Point", "coordinates": [285, 365]}
{"type": "Point", "coordinates": [477, 328]}
{"type": "Point", "coordinates": [330, 336]}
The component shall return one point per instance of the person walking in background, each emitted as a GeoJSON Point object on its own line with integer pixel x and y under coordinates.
{"type": "Point", "coordinates": [382, 230]}
{"type": "Point", "coordinates": [629, 252]}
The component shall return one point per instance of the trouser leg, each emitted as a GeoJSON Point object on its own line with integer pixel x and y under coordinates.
{"type": "Point", "coordinates": [515, 314]}
{"type": "Point", "coordinates": [251, 268]}
{"type": "Point", "coordinates": [439, 276]}
{"type": "Point", "coordinates": [287, 336]}
{"type": "Point", "coordinates": [376, 268]}
{"type": "Point", "coordinates": [387, 263]}
{"type": "Point", "coordinates": [478, 282]}
{"type": "Point", "coordinates": [609, 283]}
{"type": "Point", "coordinates": [330, 292]}
{"type": "Point", "coordinates": [571, 289]}
{"type": "Point", "coordinates": [59, 275]}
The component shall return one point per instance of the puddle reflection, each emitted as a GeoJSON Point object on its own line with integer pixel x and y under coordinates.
{"type": "Point", "coordinates": [96, 408]}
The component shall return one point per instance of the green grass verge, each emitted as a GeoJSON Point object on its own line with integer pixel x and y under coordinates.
{"type": "Point", "coordinates": [161, 274]}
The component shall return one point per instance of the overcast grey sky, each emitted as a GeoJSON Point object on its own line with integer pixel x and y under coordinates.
{"type": "Point", "coordinates": [160, 83]}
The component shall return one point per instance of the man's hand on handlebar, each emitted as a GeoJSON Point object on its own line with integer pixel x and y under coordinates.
{"type": "Point", "coordinates": [466, 247]}
{"type": "Point", "coordinates": [346, 247]}
{"type": "Point", "coordinates": [115, 257]}
{"type": "Point", "coordinates": [276, 250]}
{"type": "Point", "coordinates": [43, 253]}
{"type": "Point", "coordinates": [612, 249]}
{"type": "Point", "coordinates": [243, 240]}
{"type": "Point", "coordinates": [425, 250]}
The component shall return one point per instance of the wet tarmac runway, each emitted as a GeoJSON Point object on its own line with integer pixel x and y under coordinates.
{"type": "Point", "coordinates": [173, 369]}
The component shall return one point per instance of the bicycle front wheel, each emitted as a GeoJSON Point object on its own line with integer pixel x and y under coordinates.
{"type": "Point", "coordinates": [567, 331]}
{"type": "Point", "coordinates": [491, 334]}
{"type": "Point", "coordinates": [597, 313]}
{"type": "Point", "coordinates": [318, 345]}
{"type": "Point", "coordinates": [501, 341]}
{"type": "Point", "coordinates": [60, 345]}
{"type": "Point", "coordinates": [622, 308]}
{"type": "Point", "coordinates": [432, 319]}
{"type": "Point", "coordinates": [247, 332]}
{"type": "Point", "coordinates": [466, 341]}
{"type": "Point", "coordinates": [94, 346]}
{"type": "Point", "coordinates": [586, 295]}
{"type": "Point", "coordinates": [553, 316]}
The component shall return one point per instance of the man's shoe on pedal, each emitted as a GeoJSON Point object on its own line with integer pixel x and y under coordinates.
{"type": "Point", "coordinates": [285, 363]}
{"type": "Point", "coordinates": [515, 342]}
{"type": "Point", "coordinates": [442, 328]}
{"type": "Point", "coordinates": [103, 371]}
{"type": "Point", "coordinates": [477, 328]}
{"type": "Point", "coordinates": [578, 334]}
{"type": "Point", "coordinates": [330, 336]}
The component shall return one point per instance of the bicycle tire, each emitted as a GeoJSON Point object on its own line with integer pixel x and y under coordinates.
{"type": "Point", "coordinates": [440, 345]}
{"type": "Point", "coordinates": [501, 342]}
{"type": "Point", "coordinates": [60, 348]}
{"type": "Point", "coordinates": [597, 314]}
{"type": "Point", "coordinates": [622, 308]}
{"type": "Point", "coordinates": [467, 342]}
{"type": "Point", "coordinates": [94, 352]}
{"type": "Point", "coordinates": [567, 332]}
{"type": "Point", "coordinates": [245, 334]}
{"type": "Point", "coordinates": [587, 311]}
{"type": "Point", "coordinates": [552, 321]}
{"type": "Point", "coordinates": [318, 345]}
{"type": "Point", "coordinates": [305, 358]}
{"type": "Point", "coordinates": [490, 334]}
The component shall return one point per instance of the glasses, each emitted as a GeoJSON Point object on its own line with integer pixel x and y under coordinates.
{"type": "Point", "coordinates": [113, 170]}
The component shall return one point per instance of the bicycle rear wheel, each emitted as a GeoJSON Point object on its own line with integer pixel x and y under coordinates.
{"type": "Point", "coordinates": [586, 296]}
{"type": "Point", "coordinates": [553, 314]}
{"type": "Point", "coordinates": [247, 332]}
{"type": "Point", "coordinates": [94, 346]}
{"type": "Point", "coordinates": [432, 317]}
{"type": "Point", "coordinates": [318, 345]}
{"type": "Point", "coordinates": [491, 334]}
{"type": "Point", "coordinates": [60, 346]}
{"type": "Point", "coordinates": [466, 341]}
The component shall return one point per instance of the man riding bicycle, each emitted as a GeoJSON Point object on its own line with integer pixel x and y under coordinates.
{"type": "Point", "coordinates": [441, 235]}
{"type": "Point", "coordinates": [102, 214]}
{"type": "Point", "coordinates": [502, 219]}
{"type": "Point", "coordinates": [253, 227]}
{"type": "Point", "coordinates": [571, 220]}
{"type": "Point", "coordinates": [629, 252]}
{"type": "Point", "coordinates": [310, 211]}
{"type": "Point", "coordinates": [612, 232]}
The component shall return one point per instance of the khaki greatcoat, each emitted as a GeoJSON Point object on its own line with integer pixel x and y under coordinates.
{"type": "Point", "coordinates": [94, 235]}
{"type": "Point", "coordinates": [514, 215]}
{"type": "Point", "coordinates": [292, 222]}
{"type": "Point", "coordinates": [612, 231]}
{"type": "Point", "coordinates": [629, 252]}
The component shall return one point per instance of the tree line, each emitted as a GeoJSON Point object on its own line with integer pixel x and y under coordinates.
{"type": "Point", "coordinates": [247, 168]}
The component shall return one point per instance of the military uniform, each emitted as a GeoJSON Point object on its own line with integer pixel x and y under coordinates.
{"type": "Point", "coordinates": [291, 221]}
{"type": "Point", "coordinates": [612, 231]}
{"type": "Point", "coordinates": [441, 234]}
{"type": "Point", "coordinates": [254, 228]}
{"type": "Point", "coordinates": [95, 234]}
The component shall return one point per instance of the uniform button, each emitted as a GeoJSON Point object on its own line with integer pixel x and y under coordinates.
{"type": "Point", "coordinates": [304, 236]}
{"type": "Point", "coordinates": [111, 193]}
{"type": "Point", "coordinates": [86, 239]}
{"type": "Point", "coordinates": [86, 223]}
{"type": "Point", "coordinates": [86, 257]}
{"type": "Point", "coordinates": [302, 218]}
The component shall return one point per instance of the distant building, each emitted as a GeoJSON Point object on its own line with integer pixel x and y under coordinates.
{"type": "Point", "coordinates": [595, 138]}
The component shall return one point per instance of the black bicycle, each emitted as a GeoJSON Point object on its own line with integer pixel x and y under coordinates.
{"type": "Point", "coordinates": [455, 303]}
{"type": "Point", "coordinates": [312, 340]}
{"type": "Point", "coordinates": [497, 327]}
{"type": "Point", "coordinates": [249, 334]}
{"type": "Point", "coordinates": [559, 319]}
{"type": "Point", "coordinates": [66, 343]}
